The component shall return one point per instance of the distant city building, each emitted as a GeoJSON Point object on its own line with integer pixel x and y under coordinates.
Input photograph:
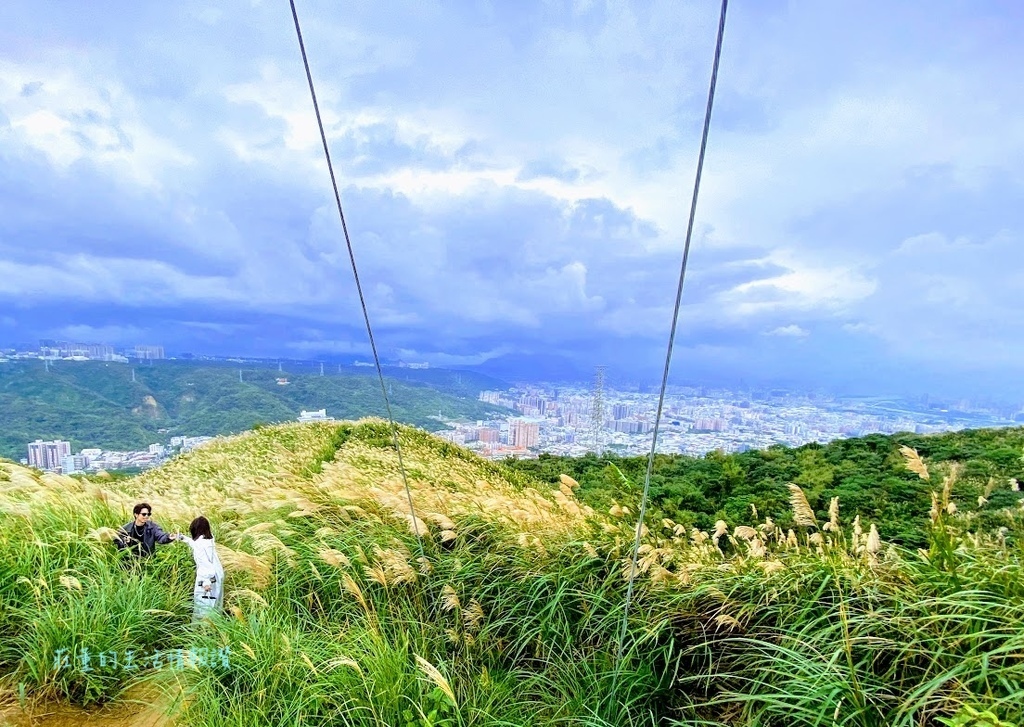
{"type": "Point", "coordinates": [74, 463]}
{"type": "Point", "coordinates": [488, 435]}
{"type": "Point", "coordinates": [452, 435]}
{"type": "Point", "coordinates": [320, 415]}
{"type": "Point", "coordinates": [282, 381]}
{"type": "Point", "coordinates": [413, 365]}
{"type": "Point", "coordinates": [522, 433]}
{"type": "Point", "coordinates": [490, 397]}
{"type": "Point", "coordinates": [147, 352]}
{"type": "Point", "coordinates": [190, 443]}
{"type": "Point", "coordinates": [621, 411]}
{"type": "Point", "coordinates": [573, 419]}
{"type": "Point", "coordinates": [631, 426]}
{"type": "Point", "coordinates": [100, 352]}
{"type": "Point", "coordinates": [48, 456]}
{"type": "Point", "coordinates": [530, 404]}
{"type": "Point", "coordinates": [78, 351]}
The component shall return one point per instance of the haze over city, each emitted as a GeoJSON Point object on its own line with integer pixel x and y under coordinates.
{"type": "Point", "coordinates": [516, 179]}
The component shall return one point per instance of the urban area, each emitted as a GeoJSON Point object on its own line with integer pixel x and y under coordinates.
{"type": "Point", "coordinates": [574, 420]}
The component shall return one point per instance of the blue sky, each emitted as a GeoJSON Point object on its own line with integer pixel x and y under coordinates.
{"type": "Point", "coordinates": [516, 178]}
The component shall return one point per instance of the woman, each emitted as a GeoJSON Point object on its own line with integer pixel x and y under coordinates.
{"type": "Point", "coordinates": [208, 596]}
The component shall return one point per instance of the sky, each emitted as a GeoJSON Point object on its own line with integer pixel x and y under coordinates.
{"type": "Point", "coordinates": [516, 177]}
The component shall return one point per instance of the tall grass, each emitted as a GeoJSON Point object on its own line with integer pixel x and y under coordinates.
{"type": "Point", "coordinates": [511, 617]}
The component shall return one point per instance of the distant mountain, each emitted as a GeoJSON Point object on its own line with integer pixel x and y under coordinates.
{"type": "Point", "coordinates": [463, 382]}
{"type": "Point", "coordinates": [526, 367]}
{"type": "Point", "coordinates": [96, 404]}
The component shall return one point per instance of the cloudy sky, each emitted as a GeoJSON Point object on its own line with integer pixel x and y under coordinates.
{"type": "Point", "coordinates": [516, 177]}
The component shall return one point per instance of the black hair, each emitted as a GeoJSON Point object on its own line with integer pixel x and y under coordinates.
{"type": "Point", "coordinates": [140, 507]}
{"type": "Point", "coordinates": [200, 526]}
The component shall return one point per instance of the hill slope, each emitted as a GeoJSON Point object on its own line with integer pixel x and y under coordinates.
{"type": "Point", "coordinates": [94, 404]}
{"type": "Point", "coordinates": [508, 609]}
{"type": "Point", "coordinates": [867, 474]}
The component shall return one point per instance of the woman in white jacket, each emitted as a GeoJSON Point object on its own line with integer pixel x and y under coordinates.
{"type": "Point", "coordinates": [208, 596]}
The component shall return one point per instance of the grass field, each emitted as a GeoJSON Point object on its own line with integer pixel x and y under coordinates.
{"type": "Point", "coordinates": [507, 609]}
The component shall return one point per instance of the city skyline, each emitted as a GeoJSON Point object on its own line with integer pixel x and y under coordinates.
{"type": "Point", "coordinates": [515, 178]}
{"type": "Point", "coordinates": [695, 421]}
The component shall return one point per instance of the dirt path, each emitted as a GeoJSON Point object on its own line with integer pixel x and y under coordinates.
{"type": "Point", "coordinates": [136, 709]}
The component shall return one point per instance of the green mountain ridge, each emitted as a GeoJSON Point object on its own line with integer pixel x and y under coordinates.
{"type": "Point", "coordinates": [95, 404]}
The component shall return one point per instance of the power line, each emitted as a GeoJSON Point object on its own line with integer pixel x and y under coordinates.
{"type": "Point", "coordinates": [668, 352]}
{"type": "Point", "coordinates": [355, 275]}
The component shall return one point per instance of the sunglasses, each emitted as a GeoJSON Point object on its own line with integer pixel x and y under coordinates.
{"type": "Point", "coordinates": [144, 514]}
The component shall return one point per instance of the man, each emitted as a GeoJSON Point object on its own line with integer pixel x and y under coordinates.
{"type": "Point", "coordinates": [142, 534]}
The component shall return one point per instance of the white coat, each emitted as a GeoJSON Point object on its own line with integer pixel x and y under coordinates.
{"type": "Point", "coordinates": [208, 595]}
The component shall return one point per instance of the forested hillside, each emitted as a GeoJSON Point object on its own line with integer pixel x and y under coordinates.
{"type": "Point", "coordinates": [867, 474]}
{"type": "Point", "coordinates": [96, 404]}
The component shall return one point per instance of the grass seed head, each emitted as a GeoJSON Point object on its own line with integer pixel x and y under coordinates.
{"type": "Point", "coordinates": [473, 615]}
{"type": "Point", "coordinates": [449, 599]}
{"type": "Point", "coordinates": [434, 675]}
{"type": "Point", "coordinates": [744, 532]}
{"type": "Point", "coordinates": [803, 515]}
{"type": "Point", "coordinates": [833, 513]}
{"type": "Point", "coordinates": [914, 462]}
{"type": "Point", "coordinates": [874, 544]}
{"type": "Point", "coordinates": [70, 582]}
{"type": "Point", "coordinates": [568, 481]}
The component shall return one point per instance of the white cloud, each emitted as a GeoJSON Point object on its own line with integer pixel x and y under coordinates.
{"type": "Point", "coordinates": [871, 189]}
{"type": "Point", "coordinates": [68, 113]}
{"type": "Point", "coordinates": [860, 328]}
{"type": "Point", "coordinates": [804, 286]}
{"type": "Point", "coordinates": [790, 331]}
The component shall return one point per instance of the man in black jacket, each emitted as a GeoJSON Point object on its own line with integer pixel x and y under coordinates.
{"type": "Point", "coordinates": [142, 534]}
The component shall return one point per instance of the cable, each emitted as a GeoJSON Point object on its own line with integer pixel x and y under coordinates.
{"type": "Point", "coordinates": [668, 352]}
{"type": "Point", "coordinates": [355, 274]}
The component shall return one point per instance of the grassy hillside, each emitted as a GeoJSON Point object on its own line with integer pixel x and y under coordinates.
{"type": "Point", "coordinates": [95, 404]}
{"type": "Point", "coordinates": [507, 611]}
{"type": "Point", "coordinates": [867, 474]}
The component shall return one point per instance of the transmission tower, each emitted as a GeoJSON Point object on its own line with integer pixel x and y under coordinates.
{"type": "Point", "coordinates": [597, 408]}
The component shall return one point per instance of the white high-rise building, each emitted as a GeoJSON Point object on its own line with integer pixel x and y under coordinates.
{"type": "Point", "coordinates": [48, 456]}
